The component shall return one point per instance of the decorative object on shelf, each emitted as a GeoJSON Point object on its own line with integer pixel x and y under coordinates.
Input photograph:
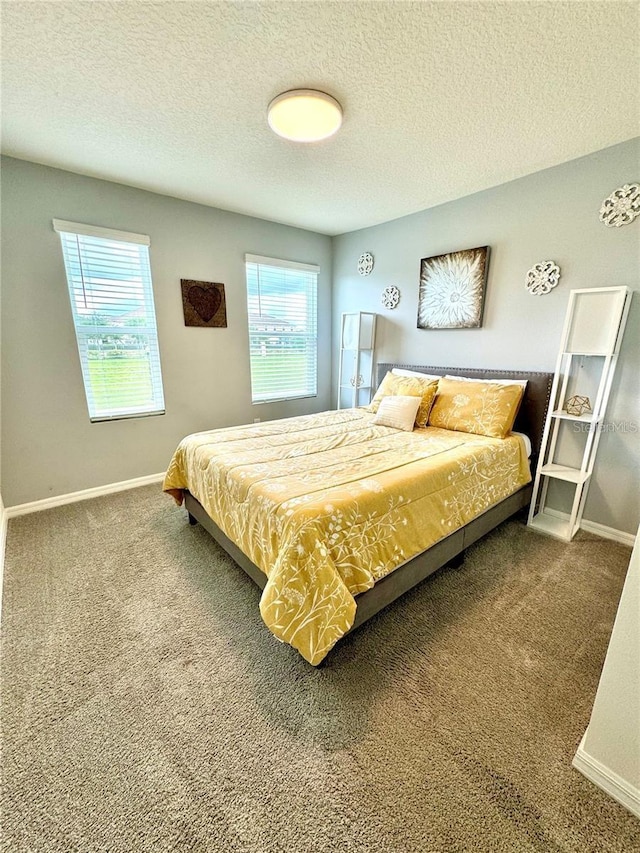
{"type": "Point", "coordinates": [357, 383]}
{"type": "Point", "coordinates": [578, 405]}
{"type": "Point", "coordinates": [391, 297]}
{"type": "Point", "coordinates": [542, 277]}
{"type": "Point", "coordinates": [452, 289]}
{"type": "Point", "coordinates": [203, 303]}
{"type": "Point", "coordinates": [593, 330]}
{"type": "Point", "coordinates": [621, 207]}
{"type": "Point", "coordinates": [365, 263]}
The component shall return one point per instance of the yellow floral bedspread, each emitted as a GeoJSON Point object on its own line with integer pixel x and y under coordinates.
{"type": "Point", "coordinates": [328, 504]}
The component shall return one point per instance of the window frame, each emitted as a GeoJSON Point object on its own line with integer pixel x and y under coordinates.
{"type": "Point", "coordinates": [83, 332]}
{"type": "Point", "coordinates": [283, 264]}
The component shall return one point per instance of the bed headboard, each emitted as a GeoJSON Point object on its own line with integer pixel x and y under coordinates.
{"type": "Point", "coordinates": [533, 409]}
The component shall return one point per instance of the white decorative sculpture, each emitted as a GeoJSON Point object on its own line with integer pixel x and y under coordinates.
{"type": "Point", "coordinates": [390, 297]}
{"type": "Point", "coordinates": [365, 263]}
{"type": "Point", "coordinates": [542, 277]}
{"type": "Point", "coordinates": [621, 207]}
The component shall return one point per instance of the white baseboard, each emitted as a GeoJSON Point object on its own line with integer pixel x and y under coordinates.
{"type": "Point", "coordinates": [85, 494]}
{"type": "Point", "coordinates": [608, 781]}
{"type": "Point", "coordinates": [608, 532]}
{"type": "Point", "coordinates": [599, 529]}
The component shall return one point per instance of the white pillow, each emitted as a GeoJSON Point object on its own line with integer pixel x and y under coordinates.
{"type": "Point", "coordinates": [399, 371]}
{"type": "Point", "coordinates": [398, 412]}
{"type": "Point", "coordinates": [522, 382]}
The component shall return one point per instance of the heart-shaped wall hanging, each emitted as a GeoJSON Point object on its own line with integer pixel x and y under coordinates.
{"type": "Point", "coordinates": [203, 303]}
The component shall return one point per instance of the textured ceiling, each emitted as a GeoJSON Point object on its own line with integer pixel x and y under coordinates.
{"type": "Point", "coordinates": [441, 99]}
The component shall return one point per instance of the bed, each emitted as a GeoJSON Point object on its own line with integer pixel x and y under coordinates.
{"type": "Point", "coordinates": [335, 517]}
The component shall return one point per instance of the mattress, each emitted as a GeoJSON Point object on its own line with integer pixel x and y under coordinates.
{"type": "Point", "coordinates": [327, 504]}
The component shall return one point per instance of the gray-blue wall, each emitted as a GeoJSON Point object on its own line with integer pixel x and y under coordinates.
{"type": "Point", "coordinates": [551, 215]}
{"type": "Point", "coordinates": [48, 445]}
{"type": "Point", "coordinates": [50, 448]}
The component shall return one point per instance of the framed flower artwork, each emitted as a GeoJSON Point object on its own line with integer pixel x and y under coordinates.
{"type": "Point", "coordinates": [452, 288]}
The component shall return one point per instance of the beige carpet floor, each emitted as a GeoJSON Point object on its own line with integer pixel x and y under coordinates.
{"type": "Point", "coordinates": [145, 707]}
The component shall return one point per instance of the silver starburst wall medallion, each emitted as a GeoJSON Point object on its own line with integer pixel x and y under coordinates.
{"type": "Point", "coordinates": [542, 278]}
{"type": "Point", "coordinates": [365, 263]}
{"type": "Point", "coordinates": [621, 207]}
{"type": "Point", "coordinates": [390, 297]}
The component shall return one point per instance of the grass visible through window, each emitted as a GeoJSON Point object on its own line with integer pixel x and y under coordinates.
{"type": "Point", "coordinates": [113, 378]}
{"type": "Point", "coordinates": [287, 369]}
{"type": "Point", "coordinates": [116, 380]}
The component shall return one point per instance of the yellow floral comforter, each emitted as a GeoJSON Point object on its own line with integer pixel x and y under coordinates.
{"type": "Point", "coordinates": [328, 504]}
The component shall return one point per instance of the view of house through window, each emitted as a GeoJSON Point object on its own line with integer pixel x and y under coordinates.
{"type": "Point", "coordinates": [109, 280]}
{"type": "Point", "coordinates": [282, 301]}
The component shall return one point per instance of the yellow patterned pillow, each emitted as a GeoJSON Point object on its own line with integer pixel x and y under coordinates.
{"type": "Point", "coordinates": [407, 386]}
{"type": "Point", "coordinates": [480, 407]}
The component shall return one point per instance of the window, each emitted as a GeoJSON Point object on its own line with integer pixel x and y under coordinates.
{"type": "Point", "coordinates": [282, 301]}
{"type": "Point", "coordinates": [109, 280]}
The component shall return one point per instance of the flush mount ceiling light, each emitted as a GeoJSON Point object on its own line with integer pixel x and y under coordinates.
{"type": "Point", "coordinates": [304, 115]}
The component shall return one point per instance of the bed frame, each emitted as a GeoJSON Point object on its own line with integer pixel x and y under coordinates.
{"type": "Point", "coordinates": [450, 550]}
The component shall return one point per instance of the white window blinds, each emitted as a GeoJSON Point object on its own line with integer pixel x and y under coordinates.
{"type": "Point", "coordinates": [109, 280]}
{"type": "Point", "coordinates": [282, 299]}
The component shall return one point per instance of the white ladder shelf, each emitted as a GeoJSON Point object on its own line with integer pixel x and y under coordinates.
{"type": "Point", "coordinates": [593, 330]}
{"type": "Point", "coordinates": [355, 372]}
